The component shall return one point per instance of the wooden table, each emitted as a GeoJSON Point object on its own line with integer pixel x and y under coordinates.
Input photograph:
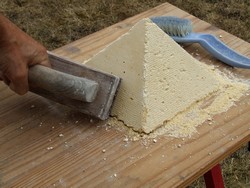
{"type": "Point", "coordinates": [43, 144]}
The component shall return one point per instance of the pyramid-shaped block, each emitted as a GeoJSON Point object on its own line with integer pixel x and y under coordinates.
{"type": "Point", "coordinates": [159, 78]}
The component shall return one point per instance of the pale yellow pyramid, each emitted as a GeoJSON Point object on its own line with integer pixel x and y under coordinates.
{"type": "Point", "coordinates": [159, 78]}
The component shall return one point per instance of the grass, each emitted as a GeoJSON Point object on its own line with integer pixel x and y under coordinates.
{"type": "Point", "coordinates": [58, 22]}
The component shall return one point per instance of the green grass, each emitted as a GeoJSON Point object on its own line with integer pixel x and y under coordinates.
{"type": "Point", "coordinates": [58, 22]}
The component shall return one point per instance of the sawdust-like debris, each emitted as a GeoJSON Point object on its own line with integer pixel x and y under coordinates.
{"type": "Point", "coordinates": [185, 123]}
{"type": "Point", "coordinates": [50, 148]}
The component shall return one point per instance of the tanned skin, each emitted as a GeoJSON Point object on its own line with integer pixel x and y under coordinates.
{"type": "Point", "coordinates": [18, 52]}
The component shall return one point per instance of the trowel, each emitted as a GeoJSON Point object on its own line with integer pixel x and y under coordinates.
{"type": "Point", "coordinates": [90, 91]}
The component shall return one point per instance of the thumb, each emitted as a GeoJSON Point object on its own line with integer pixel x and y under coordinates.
{"type": "Point", "coordinates": [41, 58]}
{"type": "Point", "coordinates": [45, 63]}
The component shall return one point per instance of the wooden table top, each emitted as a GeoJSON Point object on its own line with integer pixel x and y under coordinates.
{"type": "Point", "coordinates": [43, 144]}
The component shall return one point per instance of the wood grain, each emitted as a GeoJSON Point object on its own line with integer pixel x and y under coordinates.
{"type": "Point", "coordinates": [91, 154]}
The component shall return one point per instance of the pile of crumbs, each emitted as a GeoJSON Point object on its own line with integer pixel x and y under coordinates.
{"type": "Point", "coordinates": [185, 123]}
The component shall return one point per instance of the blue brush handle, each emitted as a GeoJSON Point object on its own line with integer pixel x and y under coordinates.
{"type": "Point", "coordinates": [217, 48]}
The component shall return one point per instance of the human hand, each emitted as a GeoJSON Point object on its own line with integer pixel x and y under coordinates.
{"type": "Point", "coordinates": [18, 52]}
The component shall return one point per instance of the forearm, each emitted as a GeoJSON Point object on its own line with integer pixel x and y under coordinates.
{"type": "Point", "coordinates": [18, 51]}
{"type": "Point", "coordinates": [3, 24]}
{"type": "Point", "coordinates": [9, 32]}
{"type": "Point", "coordinates": [5, 27]}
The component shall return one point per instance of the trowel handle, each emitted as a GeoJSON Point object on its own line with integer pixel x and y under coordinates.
{"type": "Point", "coordinates": [60, 83]}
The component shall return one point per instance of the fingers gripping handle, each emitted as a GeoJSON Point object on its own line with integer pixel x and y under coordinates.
{"type": "Point", "coordinates": [63, 84]}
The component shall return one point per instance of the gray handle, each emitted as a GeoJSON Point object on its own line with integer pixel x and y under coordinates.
{"type": "Point", "coordinates": [63, 84]}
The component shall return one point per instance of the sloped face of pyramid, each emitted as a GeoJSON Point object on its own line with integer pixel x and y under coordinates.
{"type": "Point", "coordinates": [159, 78]}
{"type": "Point", "coordinates": [124, 58]}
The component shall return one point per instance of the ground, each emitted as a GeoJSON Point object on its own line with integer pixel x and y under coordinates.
{"type": "Point", "coordinates": [58, 22]}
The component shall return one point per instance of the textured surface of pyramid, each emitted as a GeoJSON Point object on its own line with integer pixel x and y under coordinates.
{"type": "Point", "coordinates": [159, 78]}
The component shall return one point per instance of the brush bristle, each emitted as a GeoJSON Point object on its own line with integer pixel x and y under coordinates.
{"type": "Point", "coordinates": [173, 26]}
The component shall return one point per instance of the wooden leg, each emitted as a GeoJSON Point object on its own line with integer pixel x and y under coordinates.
{"type": "Point", "coordinates": [213, 178]}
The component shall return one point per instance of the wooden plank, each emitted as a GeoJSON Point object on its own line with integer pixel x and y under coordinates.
{"type": "Point", "coordinates": [32, 154]}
